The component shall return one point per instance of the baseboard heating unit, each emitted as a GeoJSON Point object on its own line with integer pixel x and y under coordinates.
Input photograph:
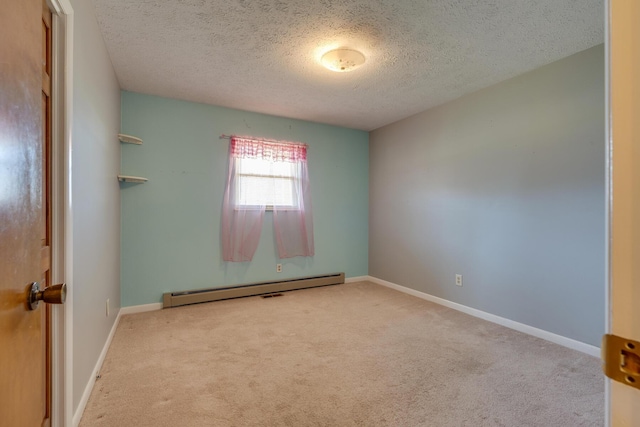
{"type": "Point", "coordinates": [176, 299]}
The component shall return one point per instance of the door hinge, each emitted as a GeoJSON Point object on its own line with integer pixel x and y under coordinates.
{"type": "Point", "coordinates": [621, 360]}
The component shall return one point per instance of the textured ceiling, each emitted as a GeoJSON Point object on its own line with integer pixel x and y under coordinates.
{"type": "Point", "coordinates": [263, 55]}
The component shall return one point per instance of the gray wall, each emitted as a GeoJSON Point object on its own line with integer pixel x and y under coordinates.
{"type": "Point", "coordinates": [504, 186]}
{"type": "Point", "coordinates": [95, 195]}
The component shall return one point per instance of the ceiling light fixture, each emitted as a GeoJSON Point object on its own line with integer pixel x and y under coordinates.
{"type": "Point", "coordinates": [342, 60]}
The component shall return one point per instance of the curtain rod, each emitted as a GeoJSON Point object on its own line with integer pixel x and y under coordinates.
{"type": "Point", "coordinates": [223, 136]}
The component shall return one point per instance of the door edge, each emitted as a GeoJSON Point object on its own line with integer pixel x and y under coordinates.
{"type": "Point", "coordinates": [62, 230]}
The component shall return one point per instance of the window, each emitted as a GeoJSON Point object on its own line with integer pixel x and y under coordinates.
{"type": "Point", "coordinates": [266, 183]}
{"type": "Point", "coordinates": [266, 173]}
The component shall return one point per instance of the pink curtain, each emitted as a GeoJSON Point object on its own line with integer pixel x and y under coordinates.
{"type": "Point", "coordinates": [242, 224]}
{"type": "Point", "coordinates": [241, 228]}
{"type": "Point", "coordinates": [293, 226]}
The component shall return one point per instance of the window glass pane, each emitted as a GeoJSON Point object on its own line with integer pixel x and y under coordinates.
{"type": "Point", "coordinates": [265, 183]}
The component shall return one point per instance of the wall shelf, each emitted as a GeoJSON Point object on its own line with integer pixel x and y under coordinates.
{"type": "Point", "coordinates": [129, 178]}
{"type": "Point", "coordinates": [128, 139]}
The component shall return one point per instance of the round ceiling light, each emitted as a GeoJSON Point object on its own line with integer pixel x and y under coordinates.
{"type": "Point", "coordinates": [342, 60]}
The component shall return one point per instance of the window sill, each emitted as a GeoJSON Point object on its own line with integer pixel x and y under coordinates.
{"type": "Point", "coordinates": [268, 208]}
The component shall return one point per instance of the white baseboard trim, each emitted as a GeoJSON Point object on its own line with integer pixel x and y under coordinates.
{"type": "Point", "coordinates": [141, 308]}
{"type": "Point", "coordinates": [356, 279]}
{"type": "Point", "coordinates": [77, 416]}
{"type": "Point", "coordinates": [520, 327]}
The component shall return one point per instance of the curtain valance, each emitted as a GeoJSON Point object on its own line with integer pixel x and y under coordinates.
{"type": "Point", "coordinates": [272, 151]}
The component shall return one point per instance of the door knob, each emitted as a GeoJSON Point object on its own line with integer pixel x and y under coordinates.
{"type": "Point", "coordinates": [55, 294]}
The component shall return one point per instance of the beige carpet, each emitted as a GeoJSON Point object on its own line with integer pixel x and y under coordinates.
{"type": "Point", "coordinates": [356, 354]}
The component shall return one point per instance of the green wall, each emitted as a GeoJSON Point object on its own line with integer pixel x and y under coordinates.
{"type": "Point", "coordinates": [171, 224]}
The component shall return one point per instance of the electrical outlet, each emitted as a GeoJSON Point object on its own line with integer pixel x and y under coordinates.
{"type": "Point", "coordinates": [459, 279]}
{"type": "Point", "coordinates": [107, 311]}
{"type": "Point", "coordinates": [278, 268]}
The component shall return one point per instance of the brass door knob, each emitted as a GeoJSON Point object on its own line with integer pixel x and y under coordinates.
{"type": "Point", "coordinates": [56, 294]}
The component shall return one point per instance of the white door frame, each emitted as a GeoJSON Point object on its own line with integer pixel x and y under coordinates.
{"type": "Point", "coordinates": [62, 230]}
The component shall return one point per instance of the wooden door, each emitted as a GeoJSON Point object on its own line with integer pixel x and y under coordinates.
{"type": "Point", "coordinates": [25, 87]}
{"type": "Point", "coordinates": [624, 185]}
{"type": "Point", "coordinates": [624, 139]}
